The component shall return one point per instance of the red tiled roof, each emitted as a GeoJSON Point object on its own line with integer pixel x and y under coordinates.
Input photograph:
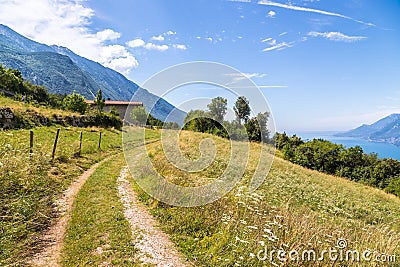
{"type": "Point", "coordinates": [110, 102]}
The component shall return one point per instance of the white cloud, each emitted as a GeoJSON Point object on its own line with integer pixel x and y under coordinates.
{"type": "Point", "coordinates": [283, 33]}
{"type": "Point", "coordinates": [118, 58]}
{"type": "Point", "coordinates": [279, 46]}
{"type": "Point", "coordinates": [271, 14]}
{"type": "Point", "coordinates": [241, 1]}
{"type": "Point", "coordinates": [112, 51]}
{"type": "Point", "coordinates": [64, 23]}
{"type": "Point", "coordinates": [238, 77]}
{"type": "Point", "coordinates": [107, 35]}
{"type": "Point", "coordinates": [159, 38]}
{"type": "Point", "coordinates": [272, 42]}
{"type": "Point", "coordinates": [209, 39]}
{"type": "Point", "coordinates": [180, 46]}
{"type": "Point", "coordinates": [136, 43]}
{"type": "Point", "coordinates": [337, 36]}
{"type": "Point", "coordinates": [170, 33]}
{"type": "Point", "coordinates": [151, 46]}
{"type": "Point", "coordinates": [266, 40]}
{"type": "Point", "coordinates": [306, 9]}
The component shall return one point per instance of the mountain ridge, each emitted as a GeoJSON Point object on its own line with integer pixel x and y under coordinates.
{"type": "Point", "coordinates": [386, 130]}
{"type": "Point", "coordinates": [62, 71]}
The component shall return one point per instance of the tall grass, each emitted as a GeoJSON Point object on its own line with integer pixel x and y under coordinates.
{"type": "Point", "coordinates": [30, 184]}
{"type": "Point", "coordinates": [295, 209]}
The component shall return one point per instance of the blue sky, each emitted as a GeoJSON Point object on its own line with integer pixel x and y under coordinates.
{"type": "Point", "coordinates": [322, 64]}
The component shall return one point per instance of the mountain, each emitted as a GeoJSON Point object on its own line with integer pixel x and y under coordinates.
{"type": "Point", "coordinates": [385, 130]}
{"type": "Point", "coordinates": [62, 71]}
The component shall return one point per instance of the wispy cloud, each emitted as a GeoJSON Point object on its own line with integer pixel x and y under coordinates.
{"type": "Point", "coordinates": [337, 36]}
{"type": "Point", "coordinates": [169, 33]}
{"type": "Point", "coordinates": [312, 10]}
{"type": "Point", "coordinates": [266, 40]}
{"type": "Point", "coordinates": [279, 46]}
{"type": "Point", "coordinates": [241, 1]}
{"type": "Point", "coordinates": [180, 46]}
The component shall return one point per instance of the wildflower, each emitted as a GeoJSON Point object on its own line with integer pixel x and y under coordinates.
{"type": "Point", "coordinates": [252, 255]}
{"type": "Point", "coordinates": [1, 165]}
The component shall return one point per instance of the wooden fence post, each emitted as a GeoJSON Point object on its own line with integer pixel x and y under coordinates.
{"type": "Point", "coordinates": [100, 141]}
{"type": "Point", "coordinates": [80, 144]}
{"type": "Point", "coordinates": [31, 144]}
{"type": "Point", "coordinates": [55, 144]}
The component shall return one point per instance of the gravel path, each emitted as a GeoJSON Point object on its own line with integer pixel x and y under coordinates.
{"type": "Point", "coordinates": [155, 247]}
{"type": "Point", "coordinates": [52, 240]}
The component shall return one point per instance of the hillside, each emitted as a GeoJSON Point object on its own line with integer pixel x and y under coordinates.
{"type": "Point", "coordinates": [294, 209]}
{"type": "Point", "coordinates": [385, 130]}
{"type": "Point", "coordinates": [63, 71]}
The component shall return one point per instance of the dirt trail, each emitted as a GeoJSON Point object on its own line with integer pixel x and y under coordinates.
{"type": "Point", "coordinates": [154, 245]}
{"type": "Point", "coordinates": [53, 238]}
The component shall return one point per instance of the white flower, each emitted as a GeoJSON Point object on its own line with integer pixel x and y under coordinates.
{"type": "Point", "coordinates": [1, 165]}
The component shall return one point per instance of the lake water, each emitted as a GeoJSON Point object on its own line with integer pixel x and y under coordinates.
{"type": "Point", "coordinates": [383, 150]}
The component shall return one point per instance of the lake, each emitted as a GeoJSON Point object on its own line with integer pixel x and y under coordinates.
{"type": "Point", "coordinates": [383, 150]}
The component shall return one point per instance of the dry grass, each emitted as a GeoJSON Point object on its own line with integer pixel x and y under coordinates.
{"type": "Point", "coordinates": [24, 107]}
{"type": "Point", "coordinates": [294, 209]}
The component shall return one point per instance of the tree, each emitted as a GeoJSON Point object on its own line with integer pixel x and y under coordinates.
{"type": "Point", "coordinates": [99, 101]}
{"type": "Point", "coordinates": [198, 121]}
{"type": "Point", "coordinates": [242, 109]}
{"type": "Point", "coordinates": [139, 114]}
{"type": "Point", "coordinates": [257, 128]}
{"type": "Point", "coordinates": [75, 102]}
{"type": "Point", "coordinates": [217, 108]}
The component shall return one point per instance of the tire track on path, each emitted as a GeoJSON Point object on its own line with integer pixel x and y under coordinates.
{"type": "Point", "coordinates": [154, 245]}
{"type": "Point", "coordinates": [52, 239]}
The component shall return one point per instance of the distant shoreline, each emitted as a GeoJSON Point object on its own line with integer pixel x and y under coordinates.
{"type": "Point", "coordinates": [383, 149]}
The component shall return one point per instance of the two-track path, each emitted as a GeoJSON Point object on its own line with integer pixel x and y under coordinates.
{"type": "Point", "coordinates": [154, 246]}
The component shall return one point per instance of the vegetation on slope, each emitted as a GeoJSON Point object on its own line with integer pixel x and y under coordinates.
{"type": "Point", "coordinates": [30, 184]}
{"type": "Point", "coordinates": [352, 163]}
{"type": "Point", "coordinates": [294, 210]}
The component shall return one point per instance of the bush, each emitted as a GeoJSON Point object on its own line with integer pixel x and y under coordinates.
{"type": "Point", "coordinates": [75, 102]}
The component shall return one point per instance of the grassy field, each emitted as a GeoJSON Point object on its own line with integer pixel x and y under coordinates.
{"type": "Point", "coordinates": [98, 234]}
{"type": "Point", "coordinates": [29, 184]}
{"type": "Point", "coordinates": [295, 210]}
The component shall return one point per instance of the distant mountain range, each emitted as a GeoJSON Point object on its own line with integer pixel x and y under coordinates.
{"type": "Point", "coordinates": [385, 130]}
{"type": "Point", "coordinates": [62, 71]}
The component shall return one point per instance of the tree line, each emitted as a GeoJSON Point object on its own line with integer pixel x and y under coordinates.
{"type": "Point", "coordinates": [352, 163]}
{"type": "Point", "coordinates": [242, 128]}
